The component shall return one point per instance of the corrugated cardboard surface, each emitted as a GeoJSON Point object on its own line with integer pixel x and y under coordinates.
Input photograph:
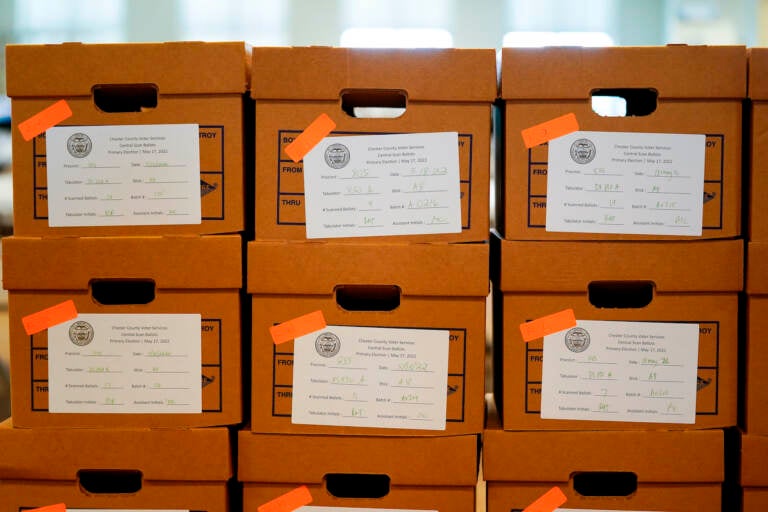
{"type": "Point", "coordinates": [693, 282]}
{"type": "Point", "coordinates": [198, 83]}
{"type": "Point", "coordinates": [447, 91]}
{"type": "Point", "coordinates": [756, 379]}
{"type": "Point", "coordinates": [754, 478]}
{"type": "Point", "coordinates": [200, 460]}
{"type": "Point", "coordinates": [173, 66]}
{"type": "Point", "coordinates": [191, 275]}
{"type": "Point", "coordinates": [676, 71]}
{"type": "Point", "coordinates": [757, 83]}
{"type": "Point", "coordinates": [321, 73]}
{"type": "Point", "coordinates": [675, 470]}
{"type": "Point", "coordinates": [542, 84]}
{"type": "Point", "coordinates": [433, 473]}
{"type": "Point", "coordinates": [442, 286]}
{"type": "Point", "coordinates": [758, 165]}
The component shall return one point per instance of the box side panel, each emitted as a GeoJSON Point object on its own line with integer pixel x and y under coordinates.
{"type": "Point", "coordinates": [514, 497]}
{"type": "Point", "coordinates": [444, 499]}
{"type": "Point", "coordinates": [717, 316]}
{"type": "Point", "coordinates": [220, 121]}
{"type": "Point", "coordinates": [280, 182]}
{"type": "Point", "coordinates": [220, 364]}
{"type": "Point", "coordinates": [525, 179]}
{"type": "Point", "coordinates": [272, 365]}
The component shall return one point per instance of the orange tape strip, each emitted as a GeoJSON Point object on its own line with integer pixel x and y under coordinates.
{"type": "Point", "coordinates": [44, 119]}
{"type": "Point", "coordinates": [289, 501]}
{"type": "Point", "coordinates": [49, 317]}
{"type": "Point", "coordinates": [548, 502]}
{"type": "Point", "coordinates": [300, 326]}
{"type": "Point", "coordinates": [549, 130]}
{"type": "Point", "coordinates": [59, 507]}
{"type": "Point", "coordinates": [314, 133]}
{"type": "Point", "coordinates": [549, 324]}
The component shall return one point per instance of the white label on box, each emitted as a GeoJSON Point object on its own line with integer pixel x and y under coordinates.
{"type": "Point", "coordinates": [371, 377]}
{"type": "Point", "coordinates": [373, 185]}
{"type": "Point", "coordinates": [626, 183]}
{"type": "Point", "coordinates": [125, 363]}
{"type": "Point", "coordinates": [123, 175]}
{"type": "Point", "coordinates": [621, 371]}
{"type": "Point", "coordinates": [312, 508]}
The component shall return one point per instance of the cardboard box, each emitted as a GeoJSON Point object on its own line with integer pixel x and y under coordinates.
{"type": "Point", "coordinates": [199, 275]}
{"type": "Point", "coordinates": [756, 378]}
{"type": "Point", "coordinates": [700, 90]}
{"type": "Point", "coordinates": [443, 90]}
{"type": "Point", "coordinates": [115, 468]}
{"type": "Point", "coordinates": [438, 286]}
{"type": "Point", "coordinates": [757, 87]}
{"type": "Point", "coordinates": [754, 478]}
{"type": "Point", "coordinates": [190, 82]}
{"type": "Point", "coordinates": [422, 473]}
{"type": "Point", "coordinates": [690, 282]}
{"type": "Point", "coordinates": [612, 470]}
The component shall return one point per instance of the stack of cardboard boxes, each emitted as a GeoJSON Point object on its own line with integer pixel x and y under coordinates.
{"type": "Point", "coordinates": [606, 246]}
{"type": "Point", "coordinates": [132, 208]}
{"type": "Point", "coordinates": [754, 478]}
{"type": "Point", "coordinates": [381, 402]}
{"type": "Point", "coordinates": [392, 304]}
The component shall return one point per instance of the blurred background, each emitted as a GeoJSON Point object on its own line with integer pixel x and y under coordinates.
{"type": "Point", "coordinates": [362, 23]}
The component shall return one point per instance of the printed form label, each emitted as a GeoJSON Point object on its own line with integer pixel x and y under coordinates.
{"type": "Point", "coordinates": [621, 371]}
{"type": "Point", "coordinates": [123, 175]}
{"type": "Point", "coordinates": [371, 377]}
{"type": "Point", "coordinates": [125, 363]}
{"type": "Point", "coordinates": [626, 183]}
{"type": "Point", "coordinates": [372, 185]}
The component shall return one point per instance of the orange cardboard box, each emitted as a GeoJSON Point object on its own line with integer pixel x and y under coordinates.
{"type": "Point", "coordinates": [756, 379]}
{"type": "Point", "coordinates": [423, 473]}
{"type": "Point", "coordinates": [419, 286]}
{"type": "Point", "coordinates": [688, 282]}
{"type": "Point", "coordinates": [121, 468]}
{"type": "Point", "coordinates": [124, 275]}
{"type": "Point", "coordinates": [758, 165]}
{"type": "Point", "coordinates": [696, 89]}
{"type": "Point", "coordinates": [155, 83]}
{"type": "Point", "coordinates": [442, 90]}
{"type": "Point", "coordinates": [754, 478]}
{"type": "Point", "coordinates": [609, 470]}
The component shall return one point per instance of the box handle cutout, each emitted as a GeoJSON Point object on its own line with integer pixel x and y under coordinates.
{"type": "Point", "coordinates": [605, 483]}
{"type": "Point", "coordinates": [374, 103]}
{"type": "Point", "coordinates": [356, 485]}
{"type": "Point", "coordinates": [114, 98]}
{"type": "Point", "coordinates": [624, 102]}
{"type": "Point", "coordinates": [620, 294]}
{"type": "Point", "coordinates": [107, 481]}
{"type": "Point", "coordinates": [364, 297]}
{"type": "Point", "coordinates": [111, 292]}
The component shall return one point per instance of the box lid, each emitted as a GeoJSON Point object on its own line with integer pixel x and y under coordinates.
{"type": "Point", "coordinates": [199, 454]}
{"type": "Point", "coordinates": [281, 458]}
{"type": "Point", "coordinates": [758, 74]}
{"type": "Point", "coordinates": [754, 451]}
{"type": "Point", "coordinates": [277, 267]}
{"type": "Point", "coordinates": [711, 266]}
{"type": "Point", "coordinates": [653, 455]}
{"type": "Point", "coordinates": [757, 268]}
{"type": "Point", "coordinates": [195, 262]}
{"type": "Point", "coordinates": [676, 71]}
{"type": "Point", "coordinates": [72, 69]}
{"type": "Point", "coordinates": [322, 73]}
